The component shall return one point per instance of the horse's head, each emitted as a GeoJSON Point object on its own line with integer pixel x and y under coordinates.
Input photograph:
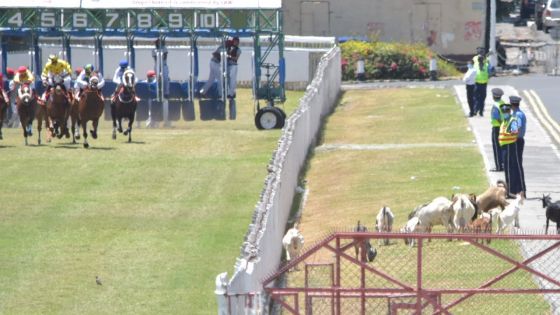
{"type": "Point", "coordinates": [128, 78]}
{"type": "Point", "coordinates": [24, 93]}
{"type": "Point", "coordinates": [93, 81]}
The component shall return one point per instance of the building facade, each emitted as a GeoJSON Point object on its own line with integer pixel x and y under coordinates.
{"type": "Point", "coordinates": [450, 27]}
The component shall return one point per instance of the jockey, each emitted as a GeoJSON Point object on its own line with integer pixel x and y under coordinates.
{"type": "Point", "coordinates": [117, 78]}
{"type": "Point", "coordinates": [82, 80]}
{"type": "Point", "coordinates": [54, 67]}
{"type": "Point", "coordinates": [24, 76]}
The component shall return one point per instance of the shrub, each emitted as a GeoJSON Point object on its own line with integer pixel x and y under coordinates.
{"type": "Point", "coordinates": [391, 60]}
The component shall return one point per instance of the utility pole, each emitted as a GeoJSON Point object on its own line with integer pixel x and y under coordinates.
{"type": "Point", "coordinates": [492, 44]}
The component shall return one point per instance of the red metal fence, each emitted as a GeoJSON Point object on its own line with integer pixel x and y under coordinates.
{"type": "Point", "coordinates": [512, 274]}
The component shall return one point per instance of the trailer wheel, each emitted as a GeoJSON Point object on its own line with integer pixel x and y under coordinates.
{"type": "Point", "coordinates": [267, 118]}
{"type": "Point", "coordinates": [280, 123]}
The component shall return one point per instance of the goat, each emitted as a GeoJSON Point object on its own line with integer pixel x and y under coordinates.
{"type": "Point", "coordinates": [437, 212]}
{"type": "Point", "coordinates": [293, 242]}
{"type": "Point", "coordinates": [364, 243]}
{"type": "Point", "coordinates": [552, 212]}
{"type": "Point", "coordinates": [384, 222]}
{"type": "Point", "coordinates": [510, 216]}
{"type": "Point", "coordinates": [464, 210]}
{"type": "Point", "coordinates": [412, 226]}
{"type": "Point", "coordinates": [493, 197]}
{"type": "Point", "coordinates": [482, 225]}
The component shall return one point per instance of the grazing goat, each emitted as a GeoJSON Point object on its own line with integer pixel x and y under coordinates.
{"type": "Point", "coordinates": [493, 197]}
{"type": "Point", "coordinates": [293, 242]}
{"type": "Point", "coordinates": [510, 216]}
{"type": "Point", "coordinates": [482, 225]}
{"type": "Point", "coordinates": [439, 211]}
{"type": "Point", "coordinates": [552, 212]}
{"type": "Point", "coordinates": [412, 226]}
{"type": "Point", "coordinates": [364, 243]}
{"type": "Point", "coordinates": [463, 210]}
{"type": "Point", "coordinates": [384, 222]}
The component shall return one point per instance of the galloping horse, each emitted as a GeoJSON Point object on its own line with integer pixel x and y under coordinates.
{"type": "Point", "coordinates": [4, 104]}
{"type": "Point", "coordinates": [90, 108]}
{"type": "Point", "coordinates": [58, 109]}
{"type": "Point", "coordinates": [125, 105]}
{"type": "Point", "coordinates": [28, 108]}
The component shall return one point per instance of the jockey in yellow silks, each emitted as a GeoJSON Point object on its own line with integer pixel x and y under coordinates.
{"type": "Point", "coordinates": [56, 66]}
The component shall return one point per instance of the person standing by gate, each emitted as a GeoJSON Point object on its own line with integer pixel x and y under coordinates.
{"type": "Point", "coordinates": [233, 53]}
{"type": "Point", "coordinates": [509, 131]}
{"type": "Point", "coordinates": [214, 75]}
{"type": "Point", "coordinates": [496, 118]}
{"type": "Point", "coordinates": [160, 48]}
{"type": "Point", "coordinates": [522, 125]}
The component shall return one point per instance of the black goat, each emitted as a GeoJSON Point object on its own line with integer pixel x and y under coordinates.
{"type": "Point", "coordinates": [552, 212]}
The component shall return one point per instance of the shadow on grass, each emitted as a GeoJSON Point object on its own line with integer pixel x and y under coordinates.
{"type": "Point", "coordinates": [135, 142]}
{"type": "Point", "coordinates": [7, 146]}
{"type": "Point", "coordinates": [100, 148]}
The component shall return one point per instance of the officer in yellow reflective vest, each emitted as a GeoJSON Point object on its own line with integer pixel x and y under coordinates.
{"type": "Point", "coordinates": [496, 118]}
{"type": "Point", "coordinates": [482, 67]}
{"type": "Point", "coordinates": [509, 130]}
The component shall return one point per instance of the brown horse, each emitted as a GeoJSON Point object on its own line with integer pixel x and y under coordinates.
{"type": "Point", "coordinates": [58, 109]}
{"type": "Point", "coordinates": [90, 108]}
{"type": "Point", "coordinates": [28, 109]}
{"type": "Point", "coordinates": [4, 104]}
{"type": "Point", "coordinates": [125, 106]}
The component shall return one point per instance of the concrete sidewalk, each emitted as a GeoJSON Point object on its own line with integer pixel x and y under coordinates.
{"type": "Point", "coordinates": [540, 158]}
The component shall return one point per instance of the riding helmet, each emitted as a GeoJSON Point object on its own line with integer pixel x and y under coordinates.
{"type": "Point", "coordinates": [53, 58]}
{"type": "Point", "coordinates": [10, 71]}
{"type": "Point", "coordinates": [150, 73]}
{"type": "Point", "coordinates": [22, 69]}
{"type": "Point", "coordinates": [123, 64]}
{"type": "Point", "coordinates": [89, 68]}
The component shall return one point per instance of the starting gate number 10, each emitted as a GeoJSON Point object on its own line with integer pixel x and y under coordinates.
{"type": "Point", "coordinates": [143, 20]}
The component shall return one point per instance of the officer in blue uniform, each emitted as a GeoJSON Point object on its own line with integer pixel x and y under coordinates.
{"type": "Point", "coordinates": [496, 118]}
{"type": "Point", "coordinates": [509, 131]}
{"type": "Point", "coordinates": [522, 126]}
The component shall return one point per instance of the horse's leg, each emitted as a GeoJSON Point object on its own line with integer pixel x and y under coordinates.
{"type": "Point", "coordinates": [65, 125]}
{"type": "Point", "coordinates": [120, 125]}
{"type": "Point", "coordinates": [39, 117]}
{"type": "Point", "coordinates": [73, 127]}
{"type": "Point", "coordinates": [23, 122]}
{"type": "Point", "coordinates": [84, 129]}
{"type": "Point", "coordinates": [129, 130]}
{"type": "Point", "coordinates": [2, 111]}
{"type": "Point", "coordinates": [114, 118]}
{"type": "Point", "coordinates": [93, 131]}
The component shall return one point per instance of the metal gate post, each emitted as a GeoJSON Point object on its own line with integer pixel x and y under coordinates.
{"type": "Point", "coordinates": [419, 277]}
{"type": "Point", "coordinates": [337, 275]}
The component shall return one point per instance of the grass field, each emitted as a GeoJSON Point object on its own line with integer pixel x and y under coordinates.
{"type": "Point", "coordinates": [156, 219]}
{"type": "Point", "coordinates": [360, 181]}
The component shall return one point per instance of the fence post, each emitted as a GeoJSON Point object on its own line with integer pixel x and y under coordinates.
{"type": "Point", "coordinates": [419, 277]}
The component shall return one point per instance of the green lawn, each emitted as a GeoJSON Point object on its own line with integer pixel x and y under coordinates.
{"type": "Point", "coordinates": [156, 219]}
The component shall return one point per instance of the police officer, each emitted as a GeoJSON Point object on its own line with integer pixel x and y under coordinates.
{"type": "Point", "coordinates": [482, 67]}
{"type": "Point", "coordinates": [509, 130]}
{"type": "Point", "coordinates": [522, 124]}
{"type": "Point", "coordinates": [496, 118]}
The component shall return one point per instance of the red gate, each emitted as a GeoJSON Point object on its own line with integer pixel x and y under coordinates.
{"type": "Point", "coordinates": [513, 274]}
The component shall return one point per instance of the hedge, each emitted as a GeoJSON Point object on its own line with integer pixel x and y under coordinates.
{"type": "Point", "coordinates": [391, 61]}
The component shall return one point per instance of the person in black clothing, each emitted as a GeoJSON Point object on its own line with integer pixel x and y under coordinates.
{"type": "Point", "coordinates": [233, 53]}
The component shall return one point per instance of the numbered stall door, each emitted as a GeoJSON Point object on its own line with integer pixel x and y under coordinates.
{"type": "Point", "coordinates": [315, 18]}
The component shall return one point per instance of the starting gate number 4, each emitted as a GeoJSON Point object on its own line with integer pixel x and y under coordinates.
{"type": "Point", "coordinates": [144, 20]}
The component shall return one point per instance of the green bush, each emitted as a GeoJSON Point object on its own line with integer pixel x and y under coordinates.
{"type": "Point", "coordinates": [391, 61]}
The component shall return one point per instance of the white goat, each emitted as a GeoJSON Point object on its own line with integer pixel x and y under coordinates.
{"type": "Point", "coordinates": [437, 212]}
{"type": "Point", "coordinates": [510, 216]}
{"type": "Point", "coordinates": [463, 211]}
{"type": "Point", "coordinates": [384, 222]}
{"type": "Point", "coordinates": [293, 242]}
{"type": "Point", "coordinates": [412, 226]}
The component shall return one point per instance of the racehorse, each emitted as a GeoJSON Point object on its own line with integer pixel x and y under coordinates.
{"type": "Point", "coordinates": [58, 109]}
{"type": "Point", "coordinates": [4, 104]}
{"type": "Point", "coordinates": [125, 106]}
{"type": "Point", "coordinates": [90, 107]}
{"type": "Point", "coordinates": [28, 108]}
